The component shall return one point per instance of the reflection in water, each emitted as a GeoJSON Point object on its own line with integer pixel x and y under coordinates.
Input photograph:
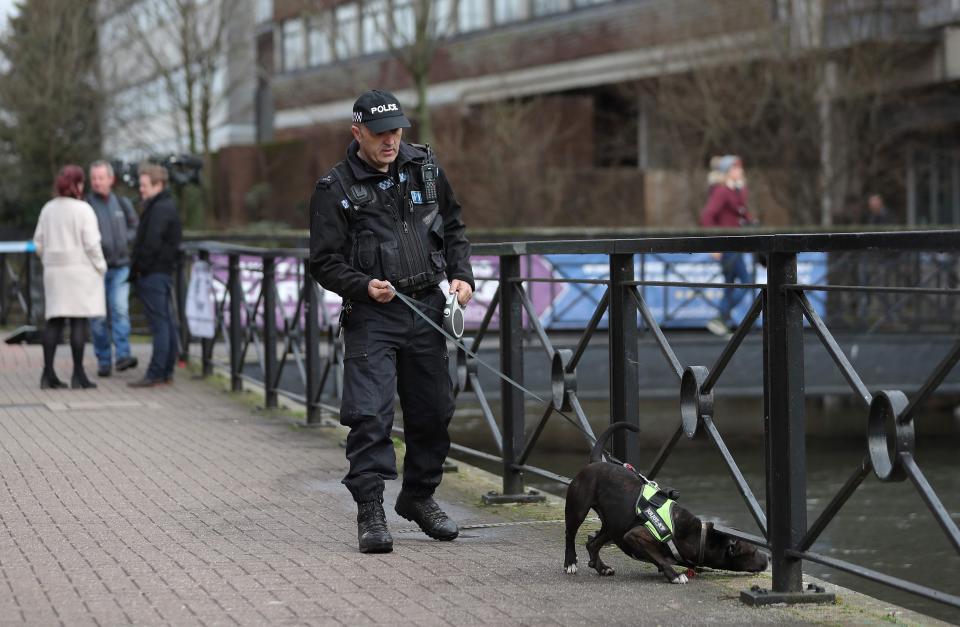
{"type": "Point", "coordinates": [885, 527]}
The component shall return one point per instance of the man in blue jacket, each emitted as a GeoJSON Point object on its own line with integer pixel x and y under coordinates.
{"type": "Point", "coordinates": [155, 255]}
{"type": "Point", "coordinates": [118, 227]}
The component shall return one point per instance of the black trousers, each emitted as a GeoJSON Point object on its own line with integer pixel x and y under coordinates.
{"type": "Point", "coordinates": [389, 349]}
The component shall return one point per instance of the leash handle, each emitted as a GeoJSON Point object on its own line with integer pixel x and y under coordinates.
{"type": "Point", "coordinates": [409, 302]}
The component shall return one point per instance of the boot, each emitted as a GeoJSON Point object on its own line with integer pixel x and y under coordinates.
{"type": "Point", "coordinates": [372, 529]}
{"type": "Point", "coordinates": [424, 511]}
{"type": "Point", "coordinates": [49, 381]}
{"type": "Point", "coordinates": [79, 380]}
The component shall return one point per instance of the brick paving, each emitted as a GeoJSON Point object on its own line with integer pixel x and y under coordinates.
{"type": "Point", "coordinates": [182, 505]}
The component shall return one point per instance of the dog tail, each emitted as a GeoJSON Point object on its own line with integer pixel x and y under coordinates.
{"type": "Point", "coordinates": [596, 453]}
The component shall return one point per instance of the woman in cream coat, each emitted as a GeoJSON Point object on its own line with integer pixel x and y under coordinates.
{"type": "Point", "coordinates": [68, 243]}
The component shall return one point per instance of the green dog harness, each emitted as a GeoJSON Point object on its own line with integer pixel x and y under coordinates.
{"type": "Point", "coordinates": [655, 509]}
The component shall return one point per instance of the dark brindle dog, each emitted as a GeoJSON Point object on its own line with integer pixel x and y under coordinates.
{"type": "Point", "coordinates": [612, 491]}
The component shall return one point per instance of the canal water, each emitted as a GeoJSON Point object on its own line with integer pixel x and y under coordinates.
{"type": "Point", "coordinates": [884, 526]}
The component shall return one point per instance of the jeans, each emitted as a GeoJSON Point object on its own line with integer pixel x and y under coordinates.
{"type": "Point", "coordinates": [118, 308]}
{"type": "Point", "coordinates": [155, 290]}
{"type": "Point", "coordinates": [734, 269]}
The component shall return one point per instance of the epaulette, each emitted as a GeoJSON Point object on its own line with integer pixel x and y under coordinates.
{"type": "Point", "coordinates": [325, 182]}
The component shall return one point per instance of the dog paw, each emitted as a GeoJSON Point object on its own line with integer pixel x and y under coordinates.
{"type": "Point", "coordinates": [606, 571]}
{"type": "Point", "coordinates": [572, 569]}
{"type": "Point", "coordinates": [680, 579]}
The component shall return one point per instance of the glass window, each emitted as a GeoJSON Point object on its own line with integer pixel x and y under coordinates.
{"type": "Point", "coordinates": [294, 48]}
{"type": "Point", "coordinates": [441, 18]}
{"type": "Point", "coordinates": [404, 23]}
{"type": "Point", "coordinates": [509, 11]}
{"type": "Point", "coordinates": [472, 15]}
{"type": "Point", "coordinates": [546, 7]}
{"type": "Point", "coordinates": [318, 41]}
{"type": "Point", "coordinates": [375, 26]}
{"type": "Point", "coordinates": [347, 43]}
{"type": "Point", "coordinates": [587, 3]}
{"type": "Point", "coordinates": [264, 11]}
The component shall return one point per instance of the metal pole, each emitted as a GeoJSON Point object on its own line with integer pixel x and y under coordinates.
{"type": "Point", "coordinates": [28, 284]}
{"type": "Point", "coordinates": [511, 364]}
{"type": "Point", "coordinates": [269, 332]}
{"type": "Point", "coordinates": [181, 287]}
{"type": "Point", "coordinates": [787, 490]}
{"type": "Point", "coordinates": [206, 344]}
{"type": "Point", "coordinates": [312, 348]}
{"type": "Point", "coordinates": [624, 369]}
{"type": "Point", "coordinates": [236, 328]}
{"type": "Point", "coordinates": [3, 289]}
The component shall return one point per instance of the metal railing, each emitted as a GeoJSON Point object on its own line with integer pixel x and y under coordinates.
{"type": "Point", "coordinates": [781, 306]}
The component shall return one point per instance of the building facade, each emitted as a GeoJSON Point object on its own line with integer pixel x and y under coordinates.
{"type": "Point", "coordinates": [605, 112]}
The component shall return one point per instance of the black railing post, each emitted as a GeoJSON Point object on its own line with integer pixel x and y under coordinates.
{"type": "Point", "coordinates": [624, 369]}
{"type": "Point", "coordinates": [312, 348]}
{"type": "Point", "coordinates": [787, 489]}
{"type": "Point", "coordinates": [236, 329]}
{"type": "Point", "coordinates": [181, 296]}
{"type": "Point", "coordinates": [3, 288]}
{"type": "Point", "coordinates": [511, 364]}
{"type": "Point", "coordinates": [269, 288]}
{"type": "Point", "coordinates": [206, 344]}
{"type": "Point", "coordinates": [28, 284]}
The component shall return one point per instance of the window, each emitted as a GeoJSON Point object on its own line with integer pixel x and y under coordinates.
{"type": "Point", "coordinates": [375, 26]}
{"type": "Point", "coordinates": [264, 11]}
{"type": "Point", "coordinates": [404, 23]}
{"type": "Point", "coordinates": [546, 7]}
{"type": "Point", "coordinates": [472, 15]}
{"type": "Point", "coordinates": [442, 19]}
{"type": "Point", "coordinates": [318, 41]}
{"type": "Point", "coordinates": [508, 11]}
{"type": "Point", "coordinates": [587, 3]}
{"type": "Point", "coordinates": [347, 42]}
{"type": "Point", "coordinates": [294, 45]}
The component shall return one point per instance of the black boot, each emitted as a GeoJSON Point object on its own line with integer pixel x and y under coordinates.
{"type": "Point", "coordinates": [79, 380]}
{"type": "Point", "coordinates": [427, 514]}
{"type": "Point", "coordinates": [49, 381]}
{"type": "Point", "coordinates": [372, 528]}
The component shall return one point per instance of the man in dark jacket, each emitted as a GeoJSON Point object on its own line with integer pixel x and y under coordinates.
{"type": "Point", "coordinates": [118, 227]}
{"type": "Point", "coordinates": [154, 261]}
{"type": "Point", "coordinates": [385, 219]}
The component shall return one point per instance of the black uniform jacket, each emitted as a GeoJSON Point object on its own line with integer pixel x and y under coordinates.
{"type": "Point", "coordinates": [333, 227]}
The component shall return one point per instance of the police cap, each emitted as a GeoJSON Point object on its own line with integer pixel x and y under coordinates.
{"type": "Point", "coordinates": [380, 111]}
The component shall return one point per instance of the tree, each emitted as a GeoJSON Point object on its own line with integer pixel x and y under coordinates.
{"type": "Point", "coordinates": [809, 108]}
{"type": "Point", "coordinates": [49, 99]}
{"type": "Point", "coordinates": [186, 46]}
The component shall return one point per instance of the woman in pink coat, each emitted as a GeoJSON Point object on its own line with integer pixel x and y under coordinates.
{"type": "Point", "coordinates": [68, 243]}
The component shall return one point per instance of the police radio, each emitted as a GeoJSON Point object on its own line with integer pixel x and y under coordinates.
{"type": "Point", "coordinates": [428, 173]}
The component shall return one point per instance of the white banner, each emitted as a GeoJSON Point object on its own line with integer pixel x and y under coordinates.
{"type": "Point", "coordinates": [200, 307]}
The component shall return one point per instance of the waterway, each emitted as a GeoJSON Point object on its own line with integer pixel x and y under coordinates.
{"type": "Point", "coordinates": [884, 526]}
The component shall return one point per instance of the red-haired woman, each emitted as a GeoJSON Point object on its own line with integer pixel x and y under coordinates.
{"type": "Point", "coordinates": [68, 243]}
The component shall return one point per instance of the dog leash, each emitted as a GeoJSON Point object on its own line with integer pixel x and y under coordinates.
{"type": "Point", "coordinates": [412, 304]}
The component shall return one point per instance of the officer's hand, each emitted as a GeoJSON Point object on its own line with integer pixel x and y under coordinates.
{"type": "Point", "coordinates": [380, 291]}
{"type": "Point", "coordinates": [463, 290]}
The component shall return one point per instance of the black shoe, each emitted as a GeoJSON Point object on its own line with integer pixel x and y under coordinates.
{"type": "Point", "coordinates": [428, 515]}
{"type": "Point", "coordinates": [49, 381]}
{"type": "Point", "coordinates": [126, 363]}
{"type": "Point", "coordinates": [147, 383]}
{"type": "Point", "coordinates": [372, 532]}
{"type": "Point", "coordinates": [79, 381]}
{"type": "Point", "coordinates": [103, 371]}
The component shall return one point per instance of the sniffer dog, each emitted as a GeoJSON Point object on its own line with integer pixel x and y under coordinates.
{"type": "Point", "coordinates": [612, 490]}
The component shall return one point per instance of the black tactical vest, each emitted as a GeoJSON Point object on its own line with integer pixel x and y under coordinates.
{"type": "Point", "coordinates": [401, 242]}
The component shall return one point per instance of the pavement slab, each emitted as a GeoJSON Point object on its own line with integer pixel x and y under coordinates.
{"type": "Point", "coordinates": [184, 504]}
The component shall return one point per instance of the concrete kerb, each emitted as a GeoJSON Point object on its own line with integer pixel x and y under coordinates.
{"type": "Point", "coordinates": [469, 483]}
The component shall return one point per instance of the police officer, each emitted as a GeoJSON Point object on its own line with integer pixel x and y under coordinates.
{"type": "Point", "coordinates": [385, 219]}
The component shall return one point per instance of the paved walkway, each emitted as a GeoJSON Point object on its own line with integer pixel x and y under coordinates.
{"type": "Point", "coordinates": [184, 505]}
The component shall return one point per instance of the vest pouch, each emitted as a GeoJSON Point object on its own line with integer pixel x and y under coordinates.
{"type": "Point", "coordinates": [437, 260]}
{"type": "Point", "coordinates": [366, 250]}
{"type": "Point", "coordinates": [436, 232]}
{"type": "Point", "coordinates": [390, 260]}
